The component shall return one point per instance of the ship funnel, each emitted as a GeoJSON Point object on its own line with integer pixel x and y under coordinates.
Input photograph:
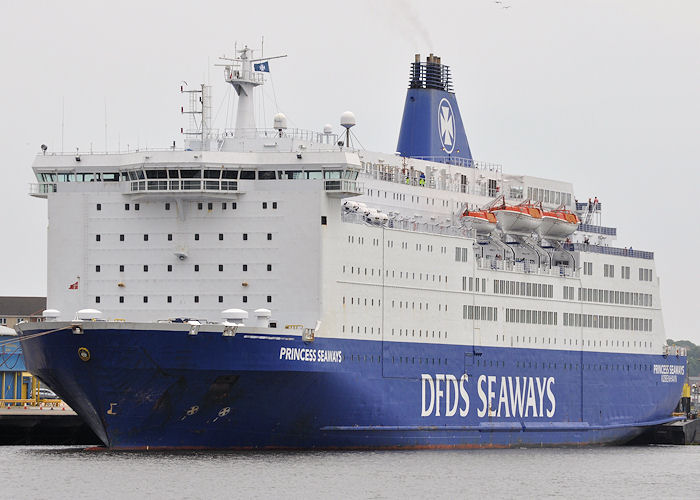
{"type": "Point", "coordinates": [432, 126]}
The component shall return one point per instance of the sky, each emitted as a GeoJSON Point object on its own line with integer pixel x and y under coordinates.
{"type": "Point", "coordinates": [601, 93]}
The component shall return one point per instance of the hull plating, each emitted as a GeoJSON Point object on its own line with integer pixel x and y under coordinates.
{"type": "Point", "coordinates": [173, 390]}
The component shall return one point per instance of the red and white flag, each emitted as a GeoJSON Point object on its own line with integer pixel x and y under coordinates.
{"type": "Point", "coordinates": [74, 286]}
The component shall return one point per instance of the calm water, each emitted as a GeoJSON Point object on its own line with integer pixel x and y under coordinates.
{"type": "Point", "coordinates": [631, 472]}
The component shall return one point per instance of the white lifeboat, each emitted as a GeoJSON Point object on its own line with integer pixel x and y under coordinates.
{"type": "Point", "coordinates": [558, 224]}
{"type": "Point", "coordinates": [524, 218]}
{"type": "Point", "coordinates": [482, 221]}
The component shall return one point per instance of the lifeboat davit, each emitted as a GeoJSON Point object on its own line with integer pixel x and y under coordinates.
{"type": "Point", "coordinates": [524, 218]}
{"type": "Point", "coordinates": [482, 221]}
{"type": "Point", "coordinates": [558, 224]}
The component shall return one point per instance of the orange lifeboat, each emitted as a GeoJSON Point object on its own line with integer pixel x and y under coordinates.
{"type": "Point", "coordinates": [523, 218]}
{"type": "Point", "coordinates": [482, 221]}
{"type": "Point", "coordinates": [558, 224]}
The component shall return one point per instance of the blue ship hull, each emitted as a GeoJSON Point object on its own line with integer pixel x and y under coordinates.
{"type": "Point", "coordinates": [169, 389]}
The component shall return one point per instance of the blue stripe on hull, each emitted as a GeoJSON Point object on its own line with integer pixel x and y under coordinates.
{"type": "Point", "coordinates": [170, 389]}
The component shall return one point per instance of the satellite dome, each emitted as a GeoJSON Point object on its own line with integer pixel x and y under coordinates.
{"type": "Point", "coordinates": [347, 119]}
{"type": "Point", "coordinates": [279, 121]}
{"type": "Point", "coordinates": [327, 129]}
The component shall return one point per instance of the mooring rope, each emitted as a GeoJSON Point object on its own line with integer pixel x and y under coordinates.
{"type": "Point", "coordinates": [33, 336]}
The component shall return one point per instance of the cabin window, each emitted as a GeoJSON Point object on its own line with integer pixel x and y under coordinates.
{"type": "Point", "coordinates": [248, 175]}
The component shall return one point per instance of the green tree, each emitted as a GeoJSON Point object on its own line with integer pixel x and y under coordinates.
{"type": "Point", "coordinates": [693, 355]}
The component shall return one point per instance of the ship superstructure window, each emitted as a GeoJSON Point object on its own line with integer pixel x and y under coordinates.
{"type": "Point", "coordinates": [264, 205]}
{"type": "Point", "coordinates": [532, 317]}
{"type": "Point", "coordinates": [588, 268]}
{"type": "Point", "coordinates": [524, 289]}
{"type": "Point", "coordinates": [480, 313]}
{"type": "Point", "coordinates": [170, 237]}
{"type": "Point", "coordinates": [221, 267]}
{"type": "Point", "coordinates": [608, 271]}
{"type": "Point", "coordinates": [97, 269]}
{"type": "Point", "coordinates": [569, 293]}
{"type": "Point", "coordinates": [221, 298]}
{"type": "Point", "coordinates": [269, 236]}
{"type": "Point", "coordinates": [269, 298]}
{"type": "Point", "coordinates": [145, 268]}
{"type": "Point", "coordinates": [121, 299]}
{"type": "Point", "coordinates": [196, 268]}
{"type": "Point", "coordinates": [200, 206]}
{"type": "Point", "coordinates": [245, 267]}
{"type": "Point", "coordinates": [245, 236]}
{"type": "Point", "coordinates": [145, 237]}
{"type": "Point", "coordinates": [145, 299]}
{"type": "Point", "coordinates": [460, 254]}
{"type": "Point", "coordinates": [210, 206]}
{"type": "Point", "coordinates": [248, 175]}
{"type": "Point", "coordinates": [121, 237]}
{"type": "Point", "coordinates": [607, 322]}
{"type": "Point", "coordinates": [170, 299]}
{"type": "Point", "coordinates": [625, 272]}
{"type": "Point", "coordinates": [97, 299]}
{"type": "Point", "coordinates": [324, 220]}
{"type": "Point", "coordinates": [233, 205]}
{"type": "Point", "coordinates": [269, 267]}
{"type": "Point", "coordinates": [645, 274]}
{"type": "Point", "coordinates": [196, 237]}
{"type": "Point", "coordinates": [98, 237]}
{"type": "Point", "coordinates": [615, 297]}
{"type": "Point", "coordinates": [245, 298]}
{"type": "Point", "coordinates": [99, 207]}
{"type": "Point", "coordinates": [274, 205]}
{"type": "Point", "coordinates": [170, 268]}
{"type": "Point", "coordinates": [167, 206]}
{"type": "Point", "coordinates": [137, 206]}
{"type": "Point", "coordinates": [126, 206]}
{"type": "Point", "coordinates": [223, 206]}
{"type": "Point", "coordinates": [196, 299]}
{"type": "Point", "coordinates": [221, 236]}
{"type": "Point", "coordinates": [121, 268]}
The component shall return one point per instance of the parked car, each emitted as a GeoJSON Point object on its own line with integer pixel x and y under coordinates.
{"type": "Point", "coordinates": [46, 393]}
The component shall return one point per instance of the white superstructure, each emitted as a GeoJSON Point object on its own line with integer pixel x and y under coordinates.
{"type": "Point", "coordinates": [254, 219]}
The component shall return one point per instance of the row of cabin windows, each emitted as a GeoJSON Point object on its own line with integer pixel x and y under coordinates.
{"type": "Point", "coordinates": [369, 271]}
{"type": "Point", "coordinates": [122, 237]}
{"type": "Point", "coordinates": [360, 240]}
{"type": "Point", "coordinates": [357, 329]}
{"type": "Point", "coordinates": [169, 299]}
{"type": "Point", "coordinates": [607, 322]}
{"type": "Point", "coordinates": [200, 206]}
{"type": "Point", "coordinates": [98, 268]}
{"type": "Point", "coordinates": [480, 313]}
{"type": "Point", "coordinates": [568, 366]}
{"type": "Point", "coordinates": [532, 317]}
{"type": "Point", "coordinates": [394, 304]}
{"type": "Point", "coordinates": [612, 297]}
{"type": "Point", "coordinates": [522, 288]}
{"type": "Point", "coordinates": [405, 332]}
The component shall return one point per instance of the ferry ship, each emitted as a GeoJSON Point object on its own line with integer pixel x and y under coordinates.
{"type": "Point", "coordinates": [280, 288]}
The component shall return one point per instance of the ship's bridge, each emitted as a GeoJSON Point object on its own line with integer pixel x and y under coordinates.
{"type": "Point", "coordinates": [196, 174]}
